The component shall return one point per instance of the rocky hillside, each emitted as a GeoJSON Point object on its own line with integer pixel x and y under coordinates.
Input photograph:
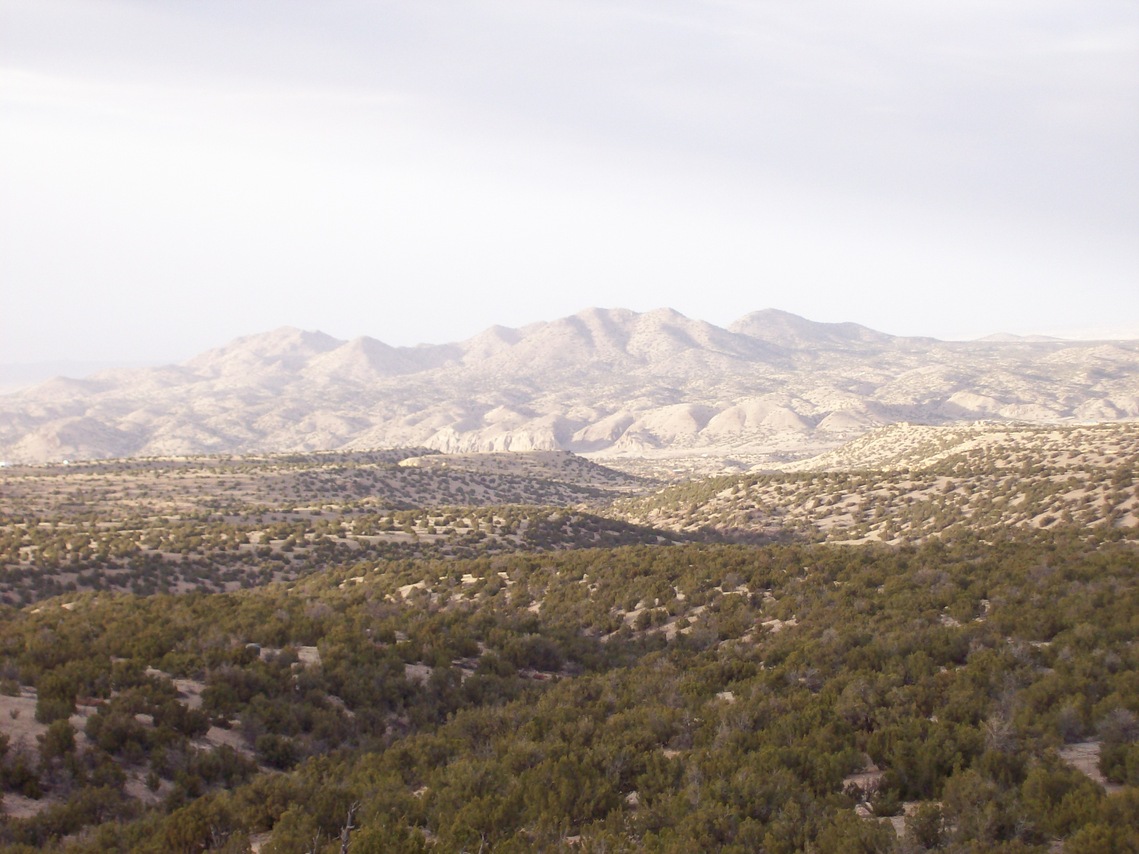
{"type": "Point", "coordinates": [771, 387]}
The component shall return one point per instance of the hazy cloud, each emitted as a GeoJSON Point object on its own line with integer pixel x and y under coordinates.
{"type": "Point", "coordinates": [174, 174]}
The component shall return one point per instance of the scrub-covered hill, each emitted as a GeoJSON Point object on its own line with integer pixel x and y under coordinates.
{"type": "Point", "coordinates": [906, 483]}
{"type": "Point", "coordinates": [680, 698]}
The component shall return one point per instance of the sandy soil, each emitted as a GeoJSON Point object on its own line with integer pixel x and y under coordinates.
{"type": "Point", "coordinates": [1084, 757]}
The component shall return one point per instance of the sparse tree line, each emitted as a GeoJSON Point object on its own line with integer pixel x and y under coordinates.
{"type": "Point", "coordinates": [969, 492]}
{"type": "Point", "coordinates": [213, 554]}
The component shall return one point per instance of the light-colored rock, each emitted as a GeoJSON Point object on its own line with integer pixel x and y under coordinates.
{"type": "Point", "coordinates": [770, 387]}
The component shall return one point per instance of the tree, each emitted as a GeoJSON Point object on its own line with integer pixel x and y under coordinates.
{"type": "Point", "coordinates": [59, 740]}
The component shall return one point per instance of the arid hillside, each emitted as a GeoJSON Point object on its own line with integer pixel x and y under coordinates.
{"type": "Point", "coordinates": [220, 523]}
{"type": "Point", "coordinates": [904, 483]}
{"type": "Point", "coordinates": [768, 389]}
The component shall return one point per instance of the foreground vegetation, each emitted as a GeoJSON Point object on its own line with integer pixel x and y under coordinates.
{"type": "Point", "coordinates": [652, 698]}
{"type": "Point", "coordinates": [406, 652]}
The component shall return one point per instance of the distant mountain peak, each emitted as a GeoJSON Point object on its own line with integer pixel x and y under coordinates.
{"type": "Point", "coordinates": [786, 329]}
{"type": "Point", "coordinates": [288, 337]}
{"type": "Point", "coordinates": [604, 380]}
{"type": "Point", "coordinates": [666, 314]}
{"type": "Point", "coordinates": [608, 315]}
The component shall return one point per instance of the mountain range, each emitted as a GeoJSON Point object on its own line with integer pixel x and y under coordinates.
{"type": "Point", "coordinates": [770, 387]}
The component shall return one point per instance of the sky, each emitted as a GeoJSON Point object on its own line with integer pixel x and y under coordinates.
{"type": "Point", "coordinates": [177, 174]}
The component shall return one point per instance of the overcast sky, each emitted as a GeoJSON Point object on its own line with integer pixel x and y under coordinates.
{"type": "Point", "coordinates": [175, 174]}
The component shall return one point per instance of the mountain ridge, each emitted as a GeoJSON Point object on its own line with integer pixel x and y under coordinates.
{"type": "Point", "coordinates": [772, 386]}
